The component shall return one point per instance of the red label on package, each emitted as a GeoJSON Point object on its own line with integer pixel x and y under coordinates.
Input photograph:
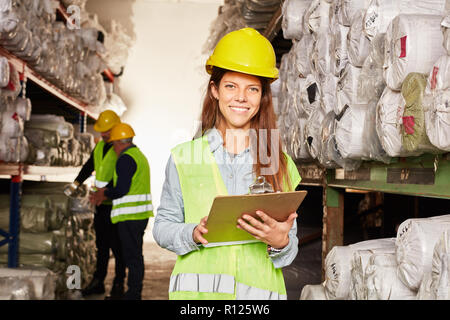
{"type": "Point", "coordinates": [403, 47]}
{"type": "Point", "coordinates": [433, 78]}
{"type": "Point", "coordinates": [408, 124]}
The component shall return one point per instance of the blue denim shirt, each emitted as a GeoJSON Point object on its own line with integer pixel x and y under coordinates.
{"type": "Point", "coordinates": [170, 231]}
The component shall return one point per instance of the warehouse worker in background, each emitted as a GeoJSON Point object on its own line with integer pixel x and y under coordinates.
{"type": "Point", "coordinates": [132, 203]}
{"type": "Point", "coordinates": [103, 161]}
{"type": "Point", "coordinates": [238, 99]}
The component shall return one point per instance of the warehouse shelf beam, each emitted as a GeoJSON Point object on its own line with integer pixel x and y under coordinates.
{"type": "Point", "coordinates": [29, 73]}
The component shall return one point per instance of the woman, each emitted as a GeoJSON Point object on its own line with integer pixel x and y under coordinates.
{"type": "Point", "coordinates": [238, 131]}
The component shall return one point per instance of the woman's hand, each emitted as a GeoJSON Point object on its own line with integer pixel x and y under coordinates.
{"type": "Point", "coordinates": [199, 231]}
{"type": "Point", "coordinates": [268, 230]}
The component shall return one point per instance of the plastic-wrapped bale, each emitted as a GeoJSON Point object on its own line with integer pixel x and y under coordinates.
{"type": "Point", "coordinates": [435, 102]}
{"type": "Point", "coordinates": [298, 145]}
{"type": "Point", "coordinates": [347, 88]}
{"type": "Point", "coordinates": [412, 44]}
{"type": "Point", "coordinates": [310, 95]}
{"type": "Point", "coordinates": [257, 14]}
{"type": "Point", "coordinates": [317, 17]}
{"type": "Point", "coordinates": [371, 82]}
{"type": "Point", "coordinates": [358, 45]}
{"type": "Point", "coordinates": [22, 107]}
{"type": "Point", "coordinates": [313, 292]}
{"type": "Point", "coordinates": [4, 72]}
{"type": "Point", "coordinates": [51, 122]}
{"type": "Point", "coordinates": [415, 242]}
{"type": "Point", "coordinates": [356, 136]}
{"type": "Point", "coordinates": [31, 243]}
{"type": "Point", "coordinates": [328, 127]}
{"type": "Point", "coordinates": [291, 74]}
{"type": "Point", "coordinates": [42, 280]}
{"type": "Point", "coordinates": [382, 281]}
{"type": "Point", "coordinates": [41, 138]}
{"type": "Point", "coordinates": [445, 27]}
{"type": "Point", "coordinates": [381, 12]}
{"type": "Point", "coordinates": [414, 136]}
{"type": "Point", "coordinates": [14, 289]}
{"type": "Point", "coordinates": [297, 104]}
{"type": "Point", "coordinates": [328, 85]}
{"type": "Point", "coordinates": [292, 20]}
{"type": "Point", "coordinates": [313, 132]}
{"type": "Point", "coordinates": [12, 125]}
{"type": "Point", "coordinates": [440, 269]}
{"type": "Point", "coordinates": [321, 56]}
{"type": "Point", "coordinates": [389, 114]}
{"type": "Point", "coordinates": [349, 8]}
{"type": "Point", "coordinates": [339, 56]}
{"type": "Point", "coordinates": [338, 264]}
{"type": "Point", "coordinates": [303, 57]}
{"type": "Point", "coordinates": [360, 261]}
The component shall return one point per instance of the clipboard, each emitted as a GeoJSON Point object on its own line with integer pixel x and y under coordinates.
{"type": "Point", "coordinates": [225, 211]}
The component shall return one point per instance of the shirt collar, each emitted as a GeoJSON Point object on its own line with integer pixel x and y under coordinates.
{"type": "Point", "coordinates": [216, 141]}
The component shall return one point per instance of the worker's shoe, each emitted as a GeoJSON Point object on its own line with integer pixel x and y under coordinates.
{"type": "Point", "coordinates": [94, 287]}
{"type": "Point", "coordinates": [116, 293]}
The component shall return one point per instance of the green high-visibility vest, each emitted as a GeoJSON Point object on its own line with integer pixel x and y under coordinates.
{"type": "Point", "coordinates": [137, 203]}
{"type": "Point", "coordinates": [224, 272]}
{"type": "Point", "coordinates": [104, 166]}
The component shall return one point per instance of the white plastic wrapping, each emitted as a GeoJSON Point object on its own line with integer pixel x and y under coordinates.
{"type": "Point", "coordinates": [440, 268]}
{"type": "Point", "coordinates": [313, 132]}
{"type": "Point", "coordinates": [382, 281]}
{"type": "Point", "coordinates": [347, 88]}
{"type": "Point", "coordinates": [310, 95]}
{"type": "Point", "coordinates": [328, 86]}
{"type": "Point", "coordinates": [339, 55]}
{"type": "Point", "coordinates": [381, 12]}
{"type": "Point", "coordinates": [436, 101]}
{"type": "Point", "coordinates": [445, 27]}
{"type": "Point", "coordinates": [415, 242]}
{"type": "Point", "coordinates": [327, 131]}
{"type": "Point", "coordinates": [371, 82]}
{"type": "Point", "coordinates": [313, 292]}
{"type": "Point", "coordinates": [292, 20]}
{"type": "Point", "coordinates": [317, 17]}
{"type": "Point", "coordinates": [349, 8]}
{"type": "Point", "coordinates": [303, 50]}
{"type": "Point", "coordinates": [356, 136]}
{"type": "Point", "coordinates": [321, 55]}
{"type": "Point", "coordinates": [413, 44]}
{"type": "Point", "coordinates": [389, 114]}
{"type": "Point", "coordinates": [358, 45]}
{"type": "Point", "coordinates": [51, 122]}
{"type": "Point", "coordinates": [4, 72]}
{"type": "Point", "coordinates": [298, 141]}
{"type": "Point", "coordinates": [338, 263]}
{"type": "Point", "coordinates": [360, 261]}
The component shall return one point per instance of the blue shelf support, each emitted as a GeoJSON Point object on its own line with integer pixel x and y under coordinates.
{"type": "Point", "coordinates": [14, 221]}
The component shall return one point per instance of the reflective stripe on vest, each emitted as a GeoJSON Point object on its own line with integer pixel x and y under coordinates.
{"type": "Point", "coordinates": [220, 283]}
{"type": "Point", "coordinates": [104, 166]}
{"type": "Point", "coordinates": [246, 268]}
{"type": "Point", "coordinates": [137, 203]}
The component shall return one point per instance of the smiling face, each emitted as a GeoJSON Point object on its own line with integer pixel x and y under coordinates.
{"type": "Point", "coordinates": [239, 97]}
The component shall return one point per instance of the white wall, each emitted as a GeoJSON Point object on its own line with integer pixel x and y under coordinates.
{"type": "Point", "coordinates": [164, 79]}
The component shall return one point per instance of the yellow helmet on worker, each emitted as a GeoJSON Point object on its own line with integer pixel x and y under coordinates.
{"type": "Point", "coordinates": [121, 131]}
{"type": "Point", "coordinates": [246, 51]}
{"type": "Point", "coordinates": [106, 121]}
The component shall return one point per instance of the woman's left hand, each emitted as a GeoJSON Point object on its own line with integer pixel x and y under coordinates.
{"type": "Point", "coordinates": [268, 230]}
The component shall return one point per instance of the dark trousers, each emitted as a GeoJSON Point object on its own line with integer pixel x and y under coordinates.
{"type": "Point", "coordinates": [131, 235]}
{"type": "Point", "coordinates": [107, 237]}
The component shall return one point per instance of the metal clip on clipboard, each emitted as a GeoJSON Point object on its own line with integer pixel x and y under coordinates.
{"type": "Point", "coordinates": [260, 186]}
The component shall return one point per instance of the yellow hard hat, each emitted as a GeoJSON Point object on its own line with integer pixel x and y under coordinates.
{"type": "Point", "coordinates": [246, 51]}
{"type": "Point", "coordinates": [121, 131]}
{"type": "Point", "coordinates": [106, 120]}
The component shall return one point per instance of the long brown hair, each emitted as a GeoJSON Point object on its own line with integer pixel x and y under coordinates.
{"type": "Point", "coordinates": [264, 119]}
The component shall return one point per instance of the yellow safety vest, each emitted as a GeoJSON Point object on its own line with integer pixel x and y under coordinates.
{"type": "Point", "coordinates": [104, 166]}
{"type": "Point", "coordinates": [242, 271]}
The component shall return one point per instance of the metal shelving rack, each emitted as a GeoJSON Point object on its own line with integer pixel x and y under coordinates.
{"type": "Point", "coordinates": [19, 171]}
